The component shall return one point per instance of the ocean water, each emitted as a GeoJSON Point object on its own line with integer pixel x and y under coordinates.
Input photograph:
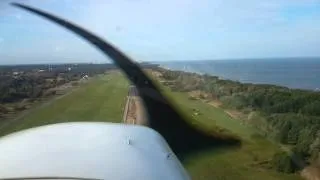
{"type": "Point", "coordinates": [298, 73]}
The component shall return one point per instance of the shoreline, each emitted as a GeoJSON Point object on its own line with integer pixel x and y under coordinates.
{"type": "Point", "coordinates": [246, 82]}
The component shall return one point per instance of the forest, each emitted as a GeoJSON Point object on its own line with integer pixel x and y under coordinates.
{"type": "Point", "coordinates": [288, 116]}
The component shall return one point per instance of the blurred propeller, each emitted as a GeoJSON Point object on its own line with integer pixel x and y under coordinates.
{"type": "Point", "coordinates": [182, 137]}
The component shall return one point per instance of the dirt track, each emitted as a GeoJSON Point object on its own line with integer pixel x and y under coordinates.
{"type": "Point", "coordinates": [134, 111]}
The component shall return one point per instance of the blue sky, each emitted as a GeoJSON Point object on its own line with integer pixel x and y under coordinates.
{"type": "Point", "coordinates": [158, 30]}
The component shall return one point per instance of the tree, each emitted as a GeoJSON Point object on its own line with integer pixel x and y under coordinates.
{"type": "Point", "coordinates": [312, 109]}
{"type": "Point", "coordinates": [282, 162]}
{"type": "Point", "coordinates": [314, 149]}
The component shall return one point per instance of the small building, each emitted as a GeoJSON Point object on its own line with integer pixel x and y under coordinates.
{"type": "Point", "coordinates": [85, 77]}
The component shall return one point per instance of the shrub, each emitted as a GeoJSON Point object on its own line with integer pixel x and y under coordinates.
{"type": "Point", "coordinates": [283, 162]}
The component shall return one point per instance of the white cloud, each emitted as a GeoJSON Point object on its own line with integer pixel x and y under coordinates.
{"type": "Point", "coordinates": [18, 16]}
{"type": "Point", "coordinates": [58, 49]}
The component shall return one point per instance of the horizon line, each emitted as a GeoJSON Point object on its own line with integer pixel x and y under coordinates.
{"type": "Point", "coordinates": [159, 61]}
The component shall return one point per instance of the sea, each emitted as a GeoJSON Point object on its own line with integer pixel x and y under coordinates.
{"type": "Point", "coordinates": [296, 73]}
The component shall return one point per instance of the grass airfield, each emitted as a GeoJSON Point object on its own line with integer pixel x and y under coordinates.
{"type": "Point", "coordinates": [103, 99]}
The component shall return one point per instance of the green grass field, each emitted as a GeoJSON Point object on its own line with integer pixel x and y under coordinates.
{"type": "Point", "coordinates": [103, 99]}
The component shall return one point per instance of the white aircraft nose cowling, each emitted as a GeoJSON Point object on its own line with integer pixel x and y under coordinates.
{"type": "Point", "coordinates": [89, 150]}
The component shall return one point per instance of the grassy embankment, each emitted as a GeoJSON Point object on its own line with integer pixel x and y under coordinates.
{"type": "Point", "coordinates": [103, 99]}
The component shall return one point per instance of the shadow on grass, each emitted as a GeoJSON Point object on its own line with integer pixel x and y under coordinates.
{"type": "Point", "coordinates": [183, 137]}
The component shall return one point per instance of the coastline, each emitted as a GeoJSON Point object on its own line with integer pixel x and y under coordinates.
{"type": "Point", "coordinates": [291, 74]}
{"type": "Point", "coordinates": [191, 83]}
